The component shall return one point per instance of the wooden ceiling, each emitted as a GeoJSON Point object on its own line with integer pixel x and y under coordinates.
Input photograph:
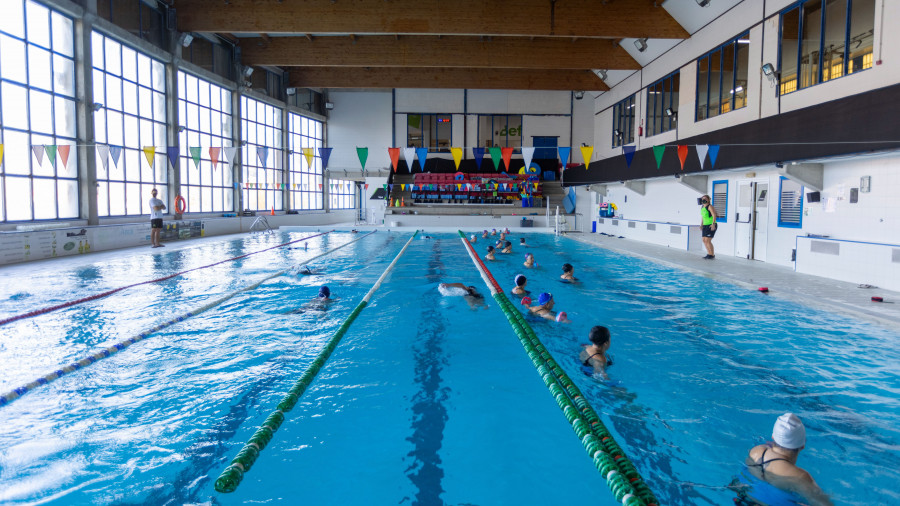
{"type": "Point", "coordinates": [476, 44]}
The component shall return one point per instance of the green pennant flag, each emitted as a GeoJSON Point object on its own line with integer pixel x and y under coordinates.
{"type": "Point", "coordinates": [496, 156]}
{"type": "Point", "coordinates": [195, 154]}
{"type": "Point", "coordinates": [363, 154]}
{"type": "Point", "coordinates": [51, 153]}
{"type": "Point", "coordinates": [658, 153]}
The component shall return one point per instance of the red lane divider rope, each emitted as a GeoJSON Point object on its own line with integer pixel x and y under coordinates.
{"type": "Point", "coordinates": [38, 312]}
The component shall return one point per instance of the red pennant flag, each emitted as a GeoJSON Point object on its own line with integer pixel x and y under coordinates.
{"type": "Point", "coordinates": [214, 156]}
{"type": "Point", "coordinates": [682, 154]}
{"type": "Point", "coordinates": [63, 150]}
{"type": "Point", "coordinates": [507, 155]}
{"type": "Point", "coordinates": [395, 157]}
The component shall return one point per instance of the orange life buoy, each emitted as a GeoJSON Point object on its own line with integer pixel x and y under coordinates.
{"type": "Point", "coordinates": [180, 204]}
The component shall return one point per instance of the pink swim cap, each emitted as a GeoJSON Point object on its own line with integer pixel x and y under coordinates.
{"type": "Point", "coordinates": [562, 316]}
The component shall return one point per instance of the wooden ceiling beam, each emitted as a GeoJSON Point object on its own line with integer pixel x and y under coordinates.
{"type": "Point", "coordinates": [430, 51]}
{"type": "Point", "coordinates": [455, 78]}
{"type": "Point", "coordinates": [569, 18]}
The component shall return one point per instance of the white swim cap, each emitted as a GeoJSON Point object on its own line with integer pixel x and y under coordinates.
{"type": "Point", "coordinates": [789, 432]}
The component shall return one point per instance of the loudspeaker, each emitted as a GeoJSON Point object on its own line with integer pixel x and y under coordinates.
{"type": "Point", "coordinates": [813, 197]}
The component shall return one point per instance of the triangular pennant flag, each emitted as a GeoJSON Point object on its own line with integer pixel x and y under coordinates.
{"type": "Point", "coordinates": [629, 155]}
{"type": "Point", "coordinates": [172, 153]}
{"type": "Point", "coordinates": [320, 186]}
{"type": "Point", "coordinates": [51, 153]}
{"type": "Point", "coordinates": [262, 153]}
{"type": "Point", "coordinates": [658, 153]}
{"type": "Point", "coordinates": [457, 156]}
{"type": "Point", "coordinates": [308, 154]}
{"type": "Point", "coordinates": [496, 156]}
{"type": "Point", "coordinates": [149, 154]}
{"type": "Point", "coordinates": [195, 155]}
{"type": "Point", "coordinates": [402, 187]}
{"type": "Point", "coordinates": [507, 156]}
{"type": "Point", "coordinates": [409, 154]}
{"type": "Point", "coordinates": [701, 153]}
{"type": "Point", "coordinates": [363, 154]}
{"type": "Point", "coordinates": [713, 153]}
{"type": "Point", "coordinates": [422, 155]}
{"type": "Point", "coordinates": [103, 154]}
{"type": "Point", "coordinates": [586, 152]}
{"type": "Point", "coordinates": [366, 185]}
{"type": "Point", "coordinates": [214, 156]}
{"type": "Point", "coordinates": [479, 156]}
{"type": "Point", "coordinates": [38, 153]}
{"type": "Point", "coordinates": [527, 155]}
{"type": "Point", "coordinates": [564, 156]}
{"type": "Point", "coordinates": [325, 154]}
{"type": "Point", "coordinates": [394, 153]}
{"type": "Point", "coordinates": [229, 155]}
{"type": "Point", "coordinates": [682, 154]}
{"type": "Point", "coordinates": [116, 153]}
{"type": "Point", "coordinates": [1, 154]}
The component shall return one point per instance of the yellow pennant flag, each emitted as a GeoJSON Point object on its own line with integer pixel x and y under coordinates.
{"type": "Point", "coordinates": [402, 187]}
{"type": "Point", "coordinates": [457, 156]}
{"type": "Point", "coordinates": [1, 154]}
{"type": "Point", "coordinates": [308, 153]}
{"type": "Point", "coordinates": [586, 152]}
{"type": "Point", "coordinates": [458, 187]}
{"type": "Point", "coordinates": [149, 152]}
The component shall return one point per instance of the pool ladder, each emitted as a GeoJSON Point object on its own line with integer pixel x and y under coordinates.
{"type": "Point", "coordinates": [261, 224]}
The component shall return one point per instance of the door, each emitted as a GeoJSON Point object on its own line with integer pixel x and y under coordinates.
{"type": "Point", "coordinates": [751, 220]}
{"type": "Point", "coordinates": [760, 221]}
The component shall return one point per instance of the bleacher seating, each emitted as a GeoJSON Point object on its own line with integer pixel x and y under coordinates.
{"type": "Point", "coordinates": [477, 188]}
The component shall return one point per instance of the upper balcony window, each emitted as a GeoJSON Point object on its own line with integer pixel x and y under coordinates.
{"type": "Point", "coordinates": [722, 78]}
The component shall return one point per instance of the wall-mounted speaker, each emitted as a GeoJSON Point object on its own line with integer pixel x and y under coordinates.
{"type": "Point", "coordinates": [813, 197]}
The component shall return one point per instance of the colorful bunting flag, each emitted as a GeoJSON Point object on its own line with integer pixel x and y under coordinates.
{"type": "Point", "coordinates": [229, 154]}
{"type": "Point", "coordinates": [564, 156]}
{"type": "Point", "coordinates": [682, 154]}
{"type": "Point", "coordinates": [214, 156]}
{"type": "Point", "coordinates": [713, 153]}
{"type": "Point", "coordinates": [38, 153]}
{"type": "Point", "coordinates": [701, 153]}
{"type": "Point", "coordinates": [409, 154]}
{"type": "Point", "coordinates": [394, 153]}
{"type": "Point", "coordinates": [496, 156]}
{"type": "Point", "coordinates": [527, 155]}
{"type": "Point", "coordinates": [149, 153]}
{"type": "Point", "coordinates": [479, 157]}
{"type": "Point", "coordinates": [629, 155]}
{"type": "Point", "coordinates": [586, 152]}
{"type": "Point", "coordinates": [103, 154]}
{"type": "Point", "coordinates": [422, 155]}
{"type": "Point", "coordinates": [1, 154]}
{"type": "Point", "coordinates": [363, 154]}
{"type": "Point", "coordinates": [308, 153]}
{"type": "Point", "coordinates": [172, 153]}
{"type": "Point", "coordinates": [51, 153]}
{"type": "Point", "coordinates": [457, 156]}
{"type": "Point", "coordinates": [116, 153]}
{"type": "Point", "coordinates": [195, 155]}
{"type": "Point", "coordinates": [262, 153]}
{"type": "Point", "coordinates": [324, 154]}
{"type": "Point", "coordinates": [658, 153]}
{"type": "Point", "coordinates": [507, 156]}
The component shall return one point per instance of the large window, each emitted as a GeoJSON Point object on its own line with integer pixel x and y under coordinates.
{"type": "Point", "coordinates": [37, 109]}
{"type": "Point", "coordinates": [204, 112]}
{"type": "Point", "coordinates": [720, 200]}
{"type": "Point", "coordinates": [341, 194]}
{"type": "Point", "coordinates": [216, 58]}
{"type": "Point", "coordinates": [503, 131]}
{"type": "Point", "coordinates": [430, 131]}
{"type": "Point", "coordinates": [790, 204]}
{"type": "Point", "coordinates": [141, 18]}
{"type": "Point", "coordinates": [662, 104]}
{"type": "Point", "coordinates": [261, 155]}
{"type": "Point", "coordinates": [623, 122]}
{"type": "Point", "coordinates": [722, 78]}
{"type": "Point", "coordinates": [130, 98]}
{"type": "Point", "coordinates": [823, 40]}
{"type": "Point", "coordinates": [306, 139]}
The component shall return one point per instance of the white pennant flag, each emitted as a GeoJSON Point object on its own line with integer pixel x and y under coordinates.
{"type": "Point", "coordinates": [409, 154]}
{"type": "Point", "coordinates": [38, 153]}
{"type": "Point", "coordinates": [103, 153]}
{"type": "Point", "coordinates": [701, 152]}
{"type": "Point", "coordinates": [527, 155]}
{"type": "Point", "coordinates": [229, 154]}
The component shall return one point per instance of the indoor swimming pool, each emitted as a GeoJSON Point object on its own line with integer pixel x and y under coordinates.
{"type": "Point", "coordinates": [428, 399]}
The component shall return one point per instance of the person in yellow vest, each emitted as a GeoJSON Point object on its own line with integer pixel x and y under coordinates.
{"type": "Point", "coordinates": [708, 226]}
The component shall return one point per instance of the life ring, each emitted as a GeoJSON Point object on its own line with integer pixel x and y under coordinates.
{"type": "Point", "coordinates": [459, 176]}
{"type": "Point", "coordinates": [180, 204]}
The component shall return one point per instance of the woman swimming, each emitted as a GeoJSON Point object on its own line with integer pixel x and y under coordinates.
{"type": "Point", "coordinates": [593, 357]}
{"type": "Point", "coordinates": [544, 307]}
{"type": "Point", "coordinates": [568, 273]}
{"type": "Point", "coordinates": [471, 295]}
{"type": "Point", "coordinates": [490, 253]}
{"type": "Point", "coordinates": [519, 289]}
{"type": "Point", "coordinates": [529, 261]}
{"type": "Point", "coordinates": [507, 247]}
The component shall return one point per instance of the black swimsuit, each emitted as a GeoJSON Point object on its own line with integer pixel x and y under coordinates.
{"type": "Point", "coordinates": [587, 361]}
{"type": "Point", "coordinates": [761, 463]}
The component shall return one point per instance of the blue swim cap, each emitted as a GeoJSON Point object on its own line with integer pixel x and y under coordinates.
{"type": "Point", "coordinates": [544, 298]}
{"type": "Point", "coordinates": [324, 292]}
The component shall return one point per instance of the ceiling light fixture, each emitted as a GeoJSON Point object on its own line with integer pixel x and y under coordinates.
{"type": "Point", "coordinates": [578, 95]}
{"type": "Point", "coordinates": [248, 71]}
{"type": "Point", "coordinates": [641, 44]}
{"type": "Point", "coordinates": [769, 71]}
{"type": "Point", "coordinates": [672, 113]}
{"type": "Point", "coordinates": [186, 39]}
{"type": "Point", "coordinates": [602, 75]}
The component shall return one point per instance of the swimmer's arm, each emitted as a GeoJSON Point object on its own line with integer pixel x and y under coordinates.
{"type": "Point", "coordinates": [808, 488]}
{"type": "Point", "coordinates": [454, 285]}
{"type": "Point", "coordinates": [549, 316]}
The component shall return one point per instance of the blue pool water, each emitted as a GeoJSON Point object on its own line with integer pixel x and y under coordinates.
{"type": "Point", "coordinates": [427, 400]}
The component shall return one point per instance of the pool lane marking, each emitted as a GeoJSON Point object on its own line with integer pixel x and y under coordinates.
{"type": "Point", "coordinates": [38, 312]}
{"type": "Point", "coordinates": [106, 352]}
{"type": "Point", "coordinates": [231, 477]}
{"type": "Point", "coordinates": [619, 472]}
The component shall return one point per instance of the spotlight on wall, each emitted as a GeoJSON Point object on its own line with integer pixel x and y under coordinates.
{"type": "Point", "coordinates": [602, 75]}
{"type": "Point", "coordinates": [291, 91]}
{"type": "Point", "coordinates": [617, 133]}
{"type": "Point", "coordinates": [186, 39]}
{"type": "Point", "coordinates": [579, 95]}
{"type": "Point", "coordinates": [641, 44]}
{"type": "Point", "coordinates": [97, 106]}
{"type": "Point", "coordinates": [248, 71]}
{"type": "Point", "coordinates": [769, 71]}
{"type": "Point", "coordinates": [329, 105]}
{"type": "Point", "coordinates": [702, 3]}
{"type": "Point", "coordinates": [672, 113]}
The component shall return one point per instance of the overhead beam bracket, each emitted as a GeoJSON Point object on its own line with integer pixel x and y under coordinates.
{"type": "Point", "coordinates": [639, 187]}
{"type": "Point", "coordinates": [810, 175]}
{"type": "Point", "coordinates": [696, 183]}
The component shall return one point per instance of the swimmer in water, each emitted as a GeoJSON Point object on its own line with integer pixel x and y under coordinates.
{"type": "Point", "coordinates": [520, 286]}
{"type": "Point", "coordinates": [490, 253]}
{"type": "Point", "coordinates": [522, 243]}
{"type": "Point", "coordinates": [306, 270]}
{"type": "Point", "coordinates": [471, 295]}
{"type": "Point", "coordinates": [493, 231]}
{"type": "Point", "coordinates": [568, 273]}
{"type": "Point", "coordinates": [319, 304]}
{"type": "Point", "coordinates": [502, 236]}
{"type": "Point", "coordinates": [593, 356]}
{"type": "Point", "coordinates": [484, 235]}
{"type": "Point", "coordinates": [544, 307]}
{"type": "Point", "coordinates": [529, 261]}
{"type": "Point", "coordinates": [474, 239]}
{"type": "Point", "coordinates": [507, 247]}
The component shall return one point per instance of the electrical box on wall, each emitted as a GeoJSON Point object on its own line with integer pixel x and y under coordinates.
{"type": "Point", "coordinates": [865, 184]}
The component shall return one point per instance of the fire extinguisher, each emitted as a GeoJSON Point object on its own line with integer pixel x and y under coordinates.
{"type": "Point", "coordinates": [641, 129]}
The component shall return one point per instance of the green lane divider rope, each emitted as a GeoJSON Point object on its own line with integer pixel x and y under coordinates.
{"type": "Point", "coordinates": [106, 352]}
{"type": "Point", "coordinates": [231, 477]}
{"type": "Point", "coordinates": [619, 472]}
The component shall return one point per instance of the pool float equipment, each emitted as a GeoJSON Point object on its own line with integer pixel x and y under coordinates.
{"type": "Point", "coordinates": [180, 205]}
{"type": "Point", "coordinates": [71, 303]}
{"type": "Point", "coordinates": [109, 351]}
{"type": "Point", "coordinates": [231, 477]}
{"type": "Point", "coordinates": [764, 289]}
{"type": "Point", "coordinates": [621, 476]}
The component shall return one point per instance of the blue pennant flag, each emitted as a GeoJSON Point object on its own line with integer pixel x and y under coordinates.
{"type": "Point", "coordinates": [422, 154]}
{"type": "Point", "coordinates": [713, 153]}
{"type": "Point", "coordinates": [325, 154]}
{"type": "Point", "coordinates": [479, 156]}
{"type": "Point", "coordinates": [173, 156]}
{"type": "Point", "coordinates": [629, 154]}
{"type": "Point", "coordinates": [564, 156]}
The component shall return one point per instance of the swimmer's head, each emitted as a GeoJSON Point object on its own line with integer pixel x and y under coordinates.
{"type": "Point", "coordinates": [528, 255]}
{"type": "Point", "coordinates": [599, 335]}
{"type": "Point", "coordinates": [562, 317]}
{"type": "Point", "coordinates": [520, 280]}
{"type": "Point", "coordinates": [789, 432]}
{"type": "Point", "coordinates": [568, 268]}
{"type": "Point", "coordinates": [544, 298]}
{"type": "Point", "coordinates": [305, 270]}
{"type": "Point", "coordinates": [490, 249]}
{"type": "Point", "coordinates": [473, 236]}
{"type": "Point", "coordinates": [507, 244]}
{"type": "Point", "coordinates": [521, 240]}
{"type": "Point", "coordinates": [473, 292]}
{"type": "Point", "coordinates": [324, 292]}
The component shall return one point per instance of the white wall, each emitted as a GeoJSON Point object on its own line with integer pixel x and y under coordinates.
{"type": "Point", "coordinates": [359, 119]}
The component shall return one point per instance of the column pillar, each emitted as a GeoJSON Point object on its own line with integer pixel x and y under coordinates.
{"type": "Point", "coordinates": [84, 92]}
{"type": "Point", "coordinates": [173, 122]}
